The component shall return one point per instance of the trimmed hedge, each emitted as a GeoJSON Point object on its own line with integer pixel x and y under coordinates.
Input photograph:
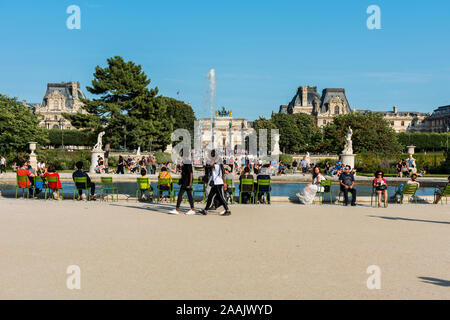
{"type": "Point", "coordinates": [423, 141]}
{"type": "Point", "coordinates": [370, 162]}
{"type": "Point", "coordinates": [65, 160]}
{"type": "Point", "coordinates": [71, 137]}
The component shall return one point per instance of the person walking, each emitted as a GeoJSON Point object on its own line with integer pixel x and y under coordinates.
{"type": "Point", "coordinates": [187, 176]}
{"type": "Point", "coordinates": [216, 182]}
{"type": "Point", "coordinates": [120, 165]}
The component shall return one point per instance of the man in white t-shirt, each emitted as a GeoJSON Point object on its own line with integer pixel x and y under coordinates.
{"type": "Point", "coordinates": [216, 182]}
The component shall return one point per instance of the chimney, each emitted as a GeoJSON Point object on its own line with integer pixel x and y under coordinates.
{"type": "Point", "coordinates": [75, 90]}
{"type": "Point", "coordinates": [395, 109]}
{"type": "Point", "coordinates": [304, 96]}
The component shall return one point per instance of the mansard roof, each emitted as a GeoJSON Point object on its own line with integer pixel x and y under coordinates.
{"type": "Point", "coordinates": [70, 90]}
{"type": "Point", "coordinates": [330, 93]}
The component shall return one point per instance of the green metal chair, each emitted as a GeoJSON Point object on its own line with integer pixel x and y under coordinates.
{"type": "Point", "coordinates": [409, 190]}
{"type": "Point", "coordinates": [25, 180]}
{"type": "Point", "coordinates": [200, 182]}
{"type": "Point", "coordinates": [445, 194]}
{"type": "Point", "coordinates": [325, 184]}
{"type": "Point", "coordinates": [165, 185]}
{"type": "Point", "coordinates": [374, 196]}
{"type": "Point", "coordinates": [248, 186]}
{"type": "Point", "coordinates": [108, 187]}
{"type": "Point", "coordinates": [230, 188]}
{"type": "Point", "coordinates": [81, 181]}
{"type": "Point", "coordinates": [55, 181]}
{"type": "Point", "coordinates": [39, 181]}
{"type": "Point", "coordinates": [143, 183]}
{"type": "Point", "coordinates": [263, 186]}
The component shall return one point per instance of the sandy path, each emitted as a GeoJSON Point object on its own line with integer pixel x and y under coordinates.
{"type": "Point", "coordinates": [131, 251]}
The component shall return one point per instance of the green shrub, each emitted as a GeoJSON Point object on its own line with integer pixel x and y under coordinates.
{"type": "Point", "coordinates": [71, 137]}
{"type": "Point", "coordinates": [163, 157]}
{"type": "Point", "coordinates": [286, 158]}
{"type": "Point", "coordinates": [65, 160]}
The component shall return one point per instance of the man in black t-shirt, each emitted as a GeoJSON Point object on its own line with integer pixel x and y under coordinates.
{"type": "Point", "coordinates": [187, 176]}
{"type": "Point", "coordinates": [347, 183]}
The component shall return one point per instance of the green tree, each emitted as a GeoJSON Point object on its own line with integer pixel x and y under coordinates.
{"type": "Point", "coordinates": [182, 114]}
{"type": "Point", "coordinates": [298, 132]}
{"type": "Point", "coordinates": [126, 109]}
{"type": "Point", "coordinates": [18, 126]}
{"type": "Point", "coordinates": [371, 133]}
{"type": "Point", "coordinates": [268, 124]}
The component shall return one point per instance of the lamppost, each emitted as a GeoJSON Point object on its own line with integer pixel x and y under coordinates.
{"type": "Point", "coordinates": [61, 125]}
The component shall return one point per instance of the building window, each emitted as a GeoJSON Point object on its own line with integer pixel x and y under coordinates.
{"type": "Point", "coordinates": [55, 126]}
{"type": "Point", "coordinates": [336, 110]}
{"type": "Point", "coordinates": [392, 123]}
{"type": "Point", "coordinates": [324, 121]}
{"type": "Point", "coordinates": [403, 123]}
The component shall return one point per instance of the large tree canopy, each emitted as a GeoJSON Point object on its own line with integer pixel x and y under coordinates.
{"type": "Point", "coordinates": [298, 132]}
{"type": "Point", "coordinates": [182, 114]}
{"type": "Point", "coordinates": [371, 133]}
{"type": "Point", "coordinates": [18, 126]}
{"type": "Point", "coordinates": [126, 109]}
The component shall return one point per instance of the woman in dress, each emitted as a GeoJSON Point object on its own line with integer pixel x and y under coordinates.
{"type": "Point", "coordinates": [307, 195]}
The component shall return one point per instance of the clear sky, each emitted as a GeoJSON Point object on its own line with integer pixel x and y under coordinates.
{"type": "Point", "coordinates": [261, 50]}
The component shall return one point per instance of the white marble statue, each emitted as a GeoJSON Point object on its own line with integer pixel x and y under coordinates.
{"type": "Point", "coordinates": [99, 145]}
{"type": "Point", "coordinates": [348, 149]}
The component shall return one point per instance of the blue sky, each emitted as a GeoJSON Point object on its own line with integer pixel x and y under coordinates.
{"type": "Point", "coordinates": [261, 50]}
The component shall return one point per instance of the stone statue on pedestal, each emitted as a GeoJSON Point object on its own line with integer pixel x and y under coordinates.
{"type": "Point", "coordinates": [99, 145]}
{"type": "Point", "coordinates": [97, 151]}
{"type": "Point", "coordinates": [347, 156]}
{"type": "Point", "coordinates": [348, 149]}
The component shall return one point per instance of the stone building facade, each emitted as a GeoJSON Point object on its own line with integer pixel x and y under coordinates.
{"type": "Point", "coordinates": [438, 121]}
{"type": "Point", "coordinates": [334, 102]}
{"type": "Point", "coordinates": [228, 131]}
{"type": "Point", "coordinates": [403, 121]}
{"type": "Point", "coordinates": [59, 98]}
{"type": "Point", "coordinates": [323, 108]}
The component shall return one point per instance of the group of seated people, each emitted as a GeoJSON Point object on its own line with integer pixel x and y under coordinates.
{"type": "Point", "coordinates": [35, 186]}
{"type": "Point", "coordinates": [246, 190]}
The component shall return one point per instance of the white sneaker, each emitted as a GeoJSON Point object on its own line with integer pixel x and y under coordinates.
{"type": "Point", "coordinates": [174, 211]}
{"type": "Point", "coordinates": [190, 212]}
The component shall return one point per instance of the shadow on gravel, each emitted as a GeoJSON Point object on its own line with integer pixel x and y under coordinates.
{"type": "Point", "coordinates": [435, 281]}
{"type": "Point", "coordinates": [407, 219]}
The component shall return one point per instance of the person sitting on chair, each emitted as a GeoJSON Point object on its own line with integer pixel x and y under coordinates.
{"type": "Point", "coordinates": [79, 173]}
{"type": "Point", "coordinates": [399, 190]}
{"type": "Point", "coordinates": [347, 182]}
{"type": "Point", "coordinates": [245, 175]}
{"type": "Point", "coordinates": [380, 185]}
{"type": "Point", "coordinates": [263, 175]}
{"type": "Point", "coordinates": [145, 186]}
{"type": "Point", "coordinates": [51, 172]}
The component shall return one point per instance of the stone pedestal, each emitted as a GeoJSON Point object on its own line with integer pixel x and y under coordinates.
{"type": "Point", "coordinates": [94, 159]}
{"type": "Point", "coordinates": [348, 160]}
{"type": "Point", "coordinates": [411, 150]}
{"type": "Point", "coordinates": [33, 158]}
